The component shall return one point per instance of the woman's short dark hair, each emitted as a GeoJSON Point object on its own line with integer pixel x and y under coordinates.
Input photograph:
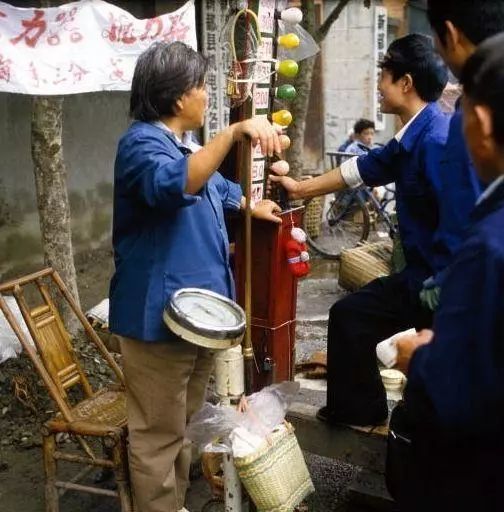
{"type": "Point", "coordinates": [163, 73]}
{"type": "Point", "coordinates": [483, 80]}
{"type": "Point", "coordinates": [477, 19]}
{"type": "Point", "coordinates": [363, 124]}
{"type": "Point", "coordinates": [415, 54]}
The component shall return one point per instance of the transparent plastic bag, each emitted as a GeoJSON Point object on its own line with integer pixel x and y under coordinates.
{"type": "Point", "coordinates": [213, 424]}
{"type": "Point", "coordinates": [307, 45]}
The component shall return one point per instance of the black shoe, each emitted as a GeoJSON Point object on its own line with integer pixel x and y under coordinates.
{"type": "Point", "coordinates": [379, 417]}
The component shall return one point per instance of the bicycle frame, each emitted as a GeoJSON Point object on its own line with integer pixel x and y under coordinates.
{"type": "Point", "coordinates": [349, 198]}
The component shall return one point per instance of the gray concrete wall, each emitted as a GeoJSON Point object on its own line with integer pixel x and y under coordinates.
{"type": "Point", "coordinates": [92, 125]}
{"type": "Point", "coordinates": [348, 73]}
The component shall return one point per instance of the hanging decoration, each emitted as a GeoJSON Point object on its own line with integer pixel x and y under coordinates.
{"type": "Point", "coordinates": [296, 251]}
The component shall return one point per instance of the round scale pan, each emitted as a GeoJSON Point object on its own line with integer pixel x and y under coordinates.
{"type": "Point", "coordinates": [205, 318]}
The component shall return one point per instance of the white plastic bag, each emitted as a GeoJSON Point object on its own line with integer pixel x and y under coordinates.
{"type": "Point", "coordinates": [266, 410]}
{"type": "Point", "coordinates": [9, 343]}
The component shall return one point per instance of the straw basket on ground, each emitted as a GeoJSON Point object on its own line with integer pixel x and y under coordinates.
{"type": "Point", "coordinates": [275, 475]}
{"type": "Point", "coordinates": [361, 265]}
{"type": "Point", "coordinates": [313, 216]}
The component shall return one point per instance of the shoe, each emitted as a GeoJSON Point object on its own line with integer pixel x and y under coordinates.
{"type": "Point", "coordinates": [379, 417]}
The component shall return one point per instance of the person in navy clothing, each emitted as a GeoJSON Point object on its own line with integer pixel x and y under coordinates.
{"type": "Point", "coordinates": [458, 27]}
{"type": "Point", "coordinates": [453, 408]}
{"type": "Point", "coordinates": [412, 80]}
{"type": "Point", "coordinates": [169, 233]}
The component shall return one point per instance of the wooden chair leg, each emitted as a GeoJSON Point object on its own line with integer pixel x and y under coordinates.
{"type": "Point", "coordinates": [120, 457]}
{"type": "Point", "coordinates": [50, 467]}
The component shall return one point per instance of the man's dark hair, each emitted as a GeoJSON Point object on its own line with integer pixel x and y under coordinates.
{"type": "Point", "coordinates": [363, 124]}
{"type": "Point", "coordinates": [414, 54]}
{"type": "Point", "coordinates": [483, 80]}
{"type": "Point", "coordinates": [163, 73]}
{"type": "Point", "coordinates": [477, 19]}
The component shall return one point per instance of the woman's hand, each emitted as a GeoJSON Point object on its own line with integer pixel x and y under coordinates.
{"type": "Point", "coordinates": [291, 186]}
{"type": "Point", "coordinates": [266, 210]}
{"type": "Point", "coordinates": [406, 346]}
{"type": "Point", "coordinates": [260, 131]}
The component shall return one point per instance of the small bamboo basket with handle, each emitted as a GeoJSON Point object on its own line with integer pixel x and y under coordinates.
{"type": "Point", "coordinates": [275, 475]}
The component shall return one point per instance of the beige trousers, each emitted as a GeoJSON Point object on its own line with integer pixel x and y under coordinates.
{"type": "Point", "coordinates": [165, 385]}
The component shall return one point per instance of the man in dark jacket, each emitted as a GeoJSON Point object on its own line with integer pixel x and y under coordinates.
{"type": "Point", "coordinates": [454, 400]}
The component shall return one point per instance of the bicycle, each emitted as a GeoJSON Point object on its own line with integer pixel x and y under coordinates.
{"type": "Point", "coordinates": [347, 218]}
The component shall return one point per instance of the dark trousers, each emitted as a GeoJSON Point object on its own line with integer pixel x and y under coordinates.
{"type": "Point", "coordinates": [357, 323]}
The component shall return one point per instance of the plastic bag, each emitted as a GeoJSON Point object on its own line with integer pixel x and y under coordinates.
{"type": "Point", "coordinates": [307, 45]}
{"type": "Point", "coordinates": [9, 343]}
{"type": "Point", "coordinates": [213, 424]}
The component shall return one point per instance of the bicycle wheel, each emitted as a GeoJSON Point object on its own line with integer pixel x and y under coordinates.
{"type": "Point", "coordinates": [343, 224]}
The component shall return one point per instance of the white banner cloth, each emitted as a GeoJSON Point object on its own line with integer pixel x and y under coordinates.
{"type": "Point", "coordinates": [83, 46]}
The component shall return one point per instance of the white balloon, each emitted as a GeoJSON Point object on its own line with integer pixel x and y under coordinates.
{"type": "Point", "coordinates": [293, 15]}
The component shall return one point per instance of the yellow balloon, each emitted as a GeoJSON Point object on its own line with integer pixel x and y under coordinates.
{"type": "Point", "coordinates": [287, 68]}
{"type": "Point", "coordinates": [282, 117]}
{"type": "Point", "coordinates": [289, 41]}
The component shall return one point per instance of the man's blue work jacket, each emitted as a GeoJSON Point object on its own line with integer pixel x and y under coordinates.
{"type": "Point", "coordinates": [413, 164]}
{"type": "Point", "coordinates": [459, 190]}
{"type": "Point", "coordinates": [164, 239]}
{"type": "Point", "coordinates": [461, 372]}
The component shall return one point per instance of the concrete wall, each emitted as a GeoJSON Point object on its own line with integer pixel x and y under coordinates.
{"type": "Point", "coordinates": [92, 125]}
{"type": "Point", "coordinates": [348, 61]}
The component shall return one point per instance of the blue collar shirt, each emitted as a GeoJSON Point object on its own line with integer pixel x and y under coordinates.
{"type": "Point", "coordinates": [413, 164]}
{"type": "Point", "coordinates": [459, 189]}
{"type": "Point", "coordinates": [164, 239]}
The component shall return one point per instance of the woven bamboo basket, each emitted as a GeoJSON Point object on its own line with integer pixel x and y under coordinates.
{"type": "Point", "coordinates": [275, 475]}
{"type": "Point", "coordinates": [313, 217]}
{"type": "Point", "coordinates": [362, 265]}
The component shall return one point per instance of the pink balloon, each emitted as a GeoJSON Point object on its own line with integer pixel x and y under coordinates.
{"type": "Point", "coordinates": [281, 167]}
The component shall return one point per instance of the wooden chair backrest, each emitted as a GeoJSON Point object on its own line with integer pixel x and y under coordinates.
{"type": "Point", "coordinates": [53, 341]}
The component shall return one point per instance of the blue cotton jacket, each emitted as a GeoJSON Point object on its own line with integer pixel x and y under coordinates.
{"type": "Point", "coordinates": [459, 189]}
{"type": "Point", "coordinates": [413, 164]}
{"type": "Point", "coordinates": [164, 239]}
{"type": "Point", "coordinates": [460, 374]}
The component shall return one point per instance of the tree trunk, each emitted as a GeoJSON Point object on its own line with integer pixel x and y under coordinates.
{"type": "Point", "coordinates": [52, 195]}
{"type": "Point", "coordinates": [303, 84]}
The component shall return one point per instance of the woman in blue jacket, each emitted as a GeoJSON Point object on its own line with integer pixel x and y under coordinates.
{"type": "Point", "coordinates": [454, 400]}
{"type": "Point", "coordinates": [169, 233]}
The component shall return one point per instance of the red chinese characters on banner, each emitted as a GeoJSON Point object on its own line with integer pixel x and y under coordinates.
{"type": "Point", "coordinates": [117, 74]}
{"type": "Point", "coordinates": [5, 69]}
{"type": "Point", "coordinates": [33, 29]}
{"type": "Point", "coordinates": [65, 21]}
{"type": "Point", "coordinates": [123, 31]}
{"type": "Point", "coordinates": [149, 32]}
{"type": "Point", "coordinates": [177, 31]}
{"type": "Point", "coordinates": [119, 31]}
{"type": "Point", "coordinates": [77, 72]}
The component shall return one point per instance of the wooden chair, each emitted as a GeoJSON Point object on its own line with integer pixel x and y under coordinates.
{"type": "Point", "coordinates": [100, 414]}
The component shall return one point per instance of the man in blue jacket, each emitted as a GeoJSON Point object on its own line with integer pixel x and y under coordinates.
{"type": "Point", "coordinates": [412, 80]}
{"type": "Point", "coordinates": [459, 27]}
{"type": "Point", "coordinates": [169, 233]}
{"type": "Point", "coordinates": [453, 413]}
